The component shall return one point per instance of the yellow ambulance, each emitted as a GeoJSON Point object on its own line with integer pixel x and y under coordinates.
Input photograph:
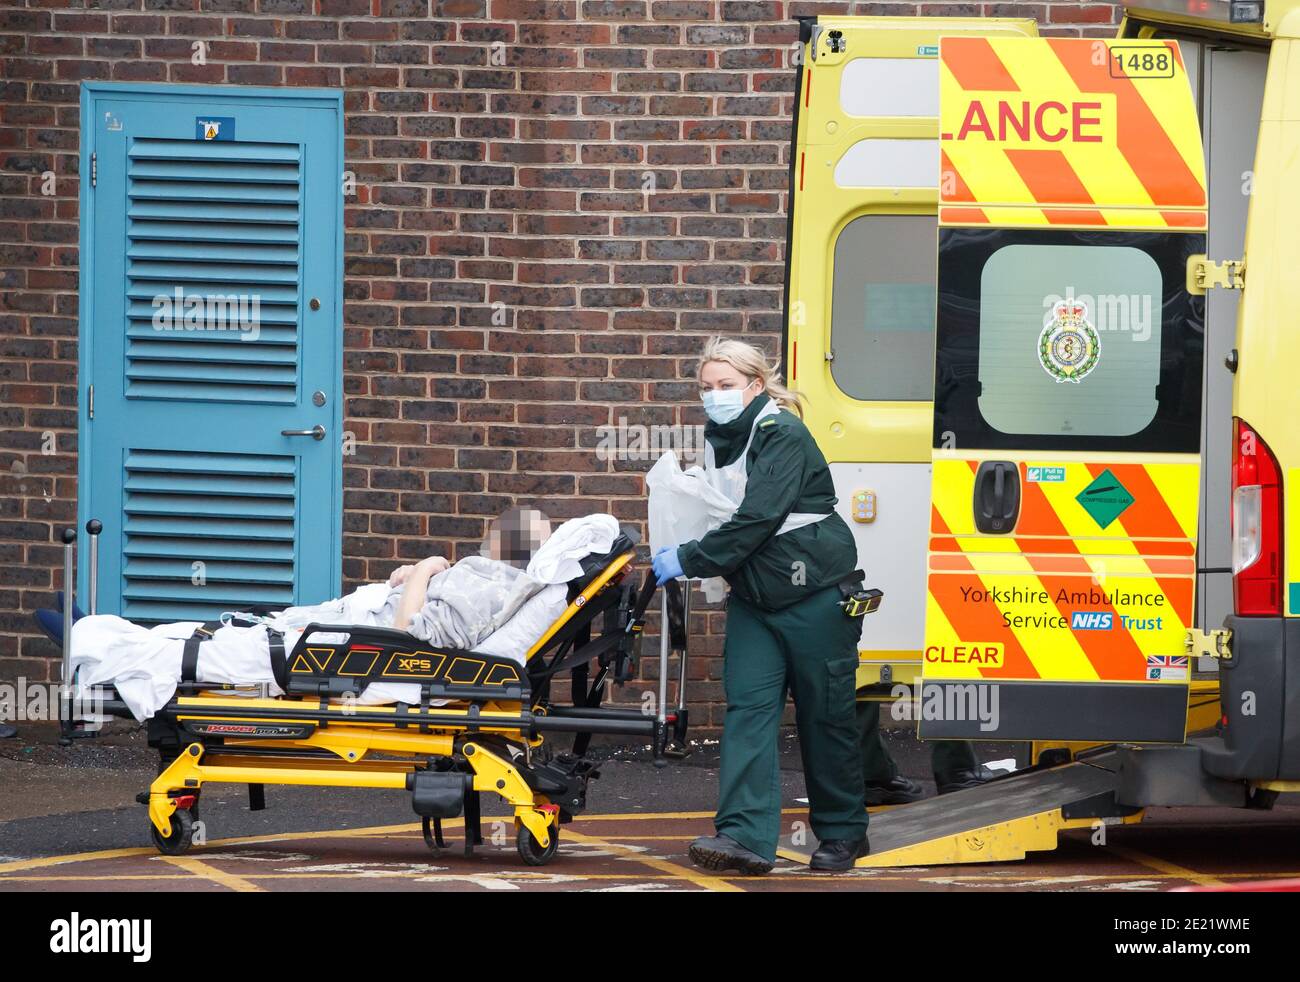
{"type": "Point", "coordinates": [1056, 402]}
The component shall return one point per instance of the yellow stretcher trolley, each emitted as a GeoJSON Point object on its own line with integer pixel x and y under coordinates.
{"type": "Point", "coordinates": [480, 724]}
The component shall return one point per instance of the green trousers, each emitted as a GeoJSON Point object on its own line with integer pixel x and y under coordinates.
{"type": "Point", "coordinates": [809, 649]}
{"type": "Point", "coordinates": [878, 767]}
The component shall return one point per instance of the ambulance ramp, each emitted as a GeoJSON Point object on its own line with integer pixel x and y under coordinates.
{"type": "Point", "coordinates": [997, 822]}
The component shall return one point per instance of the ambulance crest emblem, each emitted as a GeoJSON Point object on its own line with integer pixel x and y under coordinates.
{"type": "Point", "coordinates": [1069, 346]}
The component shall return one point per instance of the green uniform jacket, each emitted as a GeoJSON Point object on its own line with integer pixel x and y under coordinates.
{"type": "Point", "coordinates": [786, 473]}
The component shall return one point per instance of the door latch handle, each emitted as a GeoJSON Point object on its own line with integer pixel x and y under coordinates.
{"type": "Point", "coordinates": [317, 432]}
{"type": "Point", "coordinates": [997, 496]}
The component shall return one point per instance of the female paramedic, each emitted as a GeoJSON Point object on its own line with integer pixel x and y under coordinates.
{"type": "Point", "coordinates": [785, 554]}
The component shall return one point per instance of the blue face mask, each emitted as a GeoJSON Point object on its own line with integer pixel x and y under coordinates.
{"type": "Point", "coordinates": [724, 405]}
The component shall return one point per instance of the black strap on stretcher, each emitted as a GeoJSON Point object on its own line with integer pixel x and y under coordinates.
{"type": "Point", "coordinates": [581, 654]}
{"type": "Point", "coordinates": [204, 632]}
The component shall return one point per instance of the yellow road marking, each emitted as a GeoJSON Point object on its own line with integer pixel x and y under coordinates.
{"type": "Point", "coordinates": [220, 877]}
{"type": "Point", "coordinates": [706, 880]}
{"type": "Point", "coordinates": [86, 857]}
{"type": "Point", "coordinates": [19, 865]}
{"type": "Point", "coordinates": [1169, 869]}
{"type": "Point", "coordinates": [974, 879]}
{"type": "Point", "coordinates": [710, 881]}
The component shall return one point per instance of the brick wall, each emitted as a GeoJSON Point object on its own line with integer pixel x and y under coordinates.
{"type": "Point", "coordinates": [556, 201]}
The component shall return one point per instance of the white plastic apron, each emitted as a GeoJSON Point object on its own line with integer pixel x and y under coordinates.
{"type": "Point", "coordinates": [731, 479]}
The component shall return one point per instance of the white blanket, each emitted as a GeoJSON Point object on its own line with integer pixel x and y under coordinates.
{"type": "Point", "coordinates": [144, 664]}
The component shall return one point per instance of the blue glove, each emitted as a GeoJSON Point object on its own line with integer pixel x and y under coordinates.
{"type": "Point", "coordinates": [666, 565]}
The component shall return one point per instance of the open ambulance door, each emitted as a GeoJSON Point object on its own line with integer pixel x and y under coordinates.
{"type": "Point", "coordinates": [1068, 376]}
{"type": "Point", "coordinates": [859, 327]}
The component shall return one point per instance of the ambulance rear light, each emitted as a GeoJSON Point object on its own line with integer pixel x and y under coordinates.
{"type": "Point", "coordinates": [1256, 526]}
{"type": "Point", "coordinates": [1222, 11]}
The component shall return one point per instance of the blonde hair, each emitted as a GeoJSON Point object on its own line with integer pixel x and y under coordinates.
{"type": "Point", "coordinates": [753, 364]}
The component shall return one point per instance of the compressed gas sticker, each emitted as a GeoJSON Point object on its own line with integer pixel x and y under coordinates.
{"type": "Point", "coordinates": [1069, 347]}
{"type": "Point", "coordinates": [1105, 499]}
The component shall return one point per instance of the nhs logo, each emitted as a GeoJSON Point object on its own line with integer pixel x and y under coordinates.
{"type": "Point", "coordinates": [1091, 620]}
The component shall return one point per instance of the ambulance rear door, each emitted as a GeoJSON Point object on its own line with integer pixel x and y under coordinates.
{"type": "Point", "coordinates": [859, 330]}
{"type": "Point", "coordinates": [1068, 377]}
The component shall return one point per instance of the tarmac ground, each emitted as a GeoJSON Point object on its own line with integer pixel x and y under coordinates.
{"type": "Point", "coordinates": [69, 821]}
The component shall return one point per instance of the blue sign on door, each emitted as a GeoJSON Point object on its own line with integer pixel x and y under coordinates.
{"type": "Point", "coordinates": [214, 128]}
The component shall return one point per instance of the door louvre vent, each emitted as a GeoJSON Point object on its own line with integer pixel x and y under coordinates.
{"type": "Point", "coordinates": [213, 270]}
{"type": "Point", "coordinates": [206, 532]}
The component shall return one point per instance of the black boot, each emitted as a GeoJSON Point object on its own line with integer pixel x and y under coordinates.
{"type": "Point", "coordinates": [964, 780]}
{"type": "Point", "coordinates": [718, 852]}
{"type": "Point", "coordinates": [898, 791]}
{"type": "Point", "coordinates": [837, 855]}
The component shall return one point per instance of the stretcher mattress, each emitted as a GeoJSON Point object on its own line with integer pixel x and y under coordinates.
{"type": "Point", "coordinates": [145, 664]}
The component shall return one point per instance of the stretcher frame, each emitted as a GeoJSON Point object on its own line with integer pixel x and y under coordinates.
{"type": "Point", "coordinates": [489, 740]}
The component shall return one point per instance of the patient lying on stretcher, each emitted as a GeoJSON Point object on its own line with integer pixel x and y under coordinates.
{"type": "Point", "coordinates": [500, 603]}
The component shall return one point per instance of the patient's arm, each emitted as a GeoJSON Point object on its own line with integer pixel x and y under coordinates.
{"type": "Point", "coordinates": [416, 586]}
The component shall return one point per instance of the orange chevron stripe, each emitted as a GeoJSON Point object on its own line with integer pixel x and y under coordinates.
{"type": "Point", "coordinates": [963, 216]}
{"type": "Point", "coordinates": [981, 622]}
{"type": "Point", "coordinates": [1114, 654]}
{"type": "Point", "coordinates": [1049, 177]}
{"type": "Point", "coordinates": [1142, 140]}
{"type": "Point", "coordinates": [1185, 219]}
{"type": "Point", "coordinates": [1148, 516]}
{"type": "Point", "coordinates": [976, 66]}
{"type": "Point", "coordinates": [937, 524]}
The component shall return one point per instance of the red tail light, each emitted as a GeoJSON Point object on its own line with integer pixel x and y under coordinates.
{"type": "Point", "coordinates": [1256, 526]}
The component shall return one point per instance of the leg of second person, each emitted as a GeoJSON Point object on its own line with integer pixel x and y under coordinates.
{"type": "Point", "coordinates": [955, 765]}
{"type": "Point", "coordinates": [749, 783]}
{"type": "Point", "coordinates": [878, 767]}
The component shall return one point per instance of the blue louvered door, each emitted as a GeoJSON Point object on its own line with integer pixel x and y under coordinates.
{"type": "Point", "coordinates": [211, 323]}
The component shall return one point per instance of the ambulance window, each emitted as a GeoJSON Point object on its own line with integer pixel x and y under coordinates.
{"type": "Point", "coordinates": [1069, 353]}
{"type": "Point", "coordinates": [882, 308]}
{"type": "Point", "coordinates": [1068, 340]}
{"type": "Point", "coordinates": [875, 163]}
{"type": "Point", "coordinates": [890, 87]}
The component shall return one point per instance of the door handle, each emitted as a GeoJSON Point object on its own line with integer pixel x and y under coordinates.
{"type": "Point", "coordinates": [317, 432]}
{"type": "Point", "coordinates": [997, 496]}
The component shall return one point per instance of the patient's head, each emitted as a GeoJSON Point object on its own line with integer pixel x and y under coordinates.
{"type": "Point", "coordinates": [516, 535]}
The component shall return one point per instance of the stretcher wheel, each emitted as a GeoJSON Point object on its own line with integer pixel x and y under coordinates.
{"type": "Point", "coordinates": [532, 853]}
{"type": "Point", "coordinates": [181, 836]}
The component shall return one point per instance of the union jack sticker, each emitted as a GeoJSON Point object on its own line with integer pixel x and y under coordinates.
{"type": "Point", "coordinates": [1167, 668]}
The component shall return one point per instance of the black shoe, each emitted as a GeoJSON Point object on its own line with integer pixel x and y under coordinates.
{"type": "Point", "coordinates": [964, 780]}
{"type": "Point", "coordinates": [718, 852]}
{"type": "Point", "coordinates": [8, 732]}
{"type": "Point", "coordinates": [837, 855]}
{"type": "Point", "coordinates": [899, 791]}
